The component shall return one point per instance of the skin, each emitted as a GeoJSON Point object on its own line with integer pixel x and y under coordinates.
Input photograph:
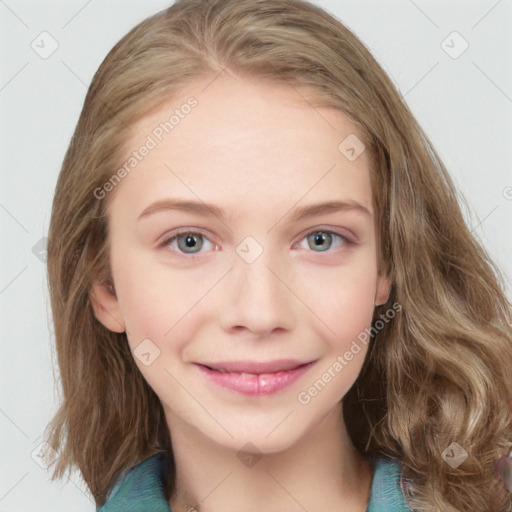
{"type": "Point", "coordinates": [258, 151]}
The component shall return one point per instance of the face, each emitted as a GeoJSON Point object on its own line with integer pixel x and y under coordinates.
{"type": "Point", "coordinates": [241, 296]}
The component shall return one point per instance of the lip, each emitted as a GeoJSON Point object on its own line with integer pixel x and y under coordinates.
{"type": "Point", "coordinates": [247, 366]}
{"type": "Point", "coordinates": [253, 377]}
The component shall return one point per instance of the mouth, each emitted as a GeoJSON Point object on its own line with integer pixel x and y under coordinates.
{"type": "Point", "coordinates": [252, 377]}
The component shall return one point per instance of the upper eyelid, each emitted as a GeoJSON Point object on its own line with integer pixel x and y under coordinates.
{"type": "Point", "coordinates": [332, 230]}
{"type": "Point", "coordinates": [171, 235]}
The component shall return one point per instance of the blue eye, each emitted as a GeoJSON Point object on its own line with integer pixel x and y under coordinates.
{"type": "Point", "coordinates": [189, 242]}
{"type": "Point", "coordinates": [323, 240]}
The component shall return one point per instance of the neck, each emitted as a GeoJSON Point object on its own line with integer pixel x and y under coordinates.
{"type": "Point", "coordinates": [321, 472]}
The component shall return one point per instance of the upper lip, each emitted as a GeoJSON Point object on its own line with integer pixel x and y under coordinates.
{"type": "Point", "coordinates": [256, 366]}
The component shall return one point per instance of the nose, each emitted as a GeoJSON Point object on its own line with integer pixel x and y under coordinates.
{"type": "Point", "coordinates": [259, 298]}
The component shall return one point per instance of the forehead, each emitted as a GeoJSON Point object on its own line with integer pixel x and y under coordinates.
{"type": "Point", "coordinates": [262, 140]}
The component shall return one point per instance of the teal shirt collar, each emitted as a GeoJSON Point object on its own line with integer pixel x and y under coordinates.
{"type": "Point", "coordinates": [141, 488]}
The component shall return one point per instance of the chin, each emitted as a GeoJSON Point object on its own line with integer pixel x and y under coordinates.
{"type": "Point", "coordinates": [265, 436]}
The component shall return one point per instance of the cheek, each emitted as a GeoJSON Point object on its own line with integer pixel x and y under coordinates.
{"type": "Point", "coordinates": [343, 315]}
{"type": "Point", "coordinates": [151, 302]}
{"type": "Point", "coordinates": [158, 304]}
{"type": "Point", "coordinates": [343, 302]}
{"type": "Point", "coordinates": [345, 349]}
{"type": "Point", "coordinates": [158, 322]}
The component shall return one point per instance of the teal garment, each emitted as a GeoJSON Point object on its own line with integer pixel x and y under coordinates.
{"type": "Point", "coordinates": [141, 488]}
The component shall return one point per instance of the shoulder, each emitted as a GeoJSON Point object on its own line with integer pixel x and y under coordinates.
{"type": "Point", "coordinates": [386, 491]}
{"type": "Point", "coordinates": [140, 488]}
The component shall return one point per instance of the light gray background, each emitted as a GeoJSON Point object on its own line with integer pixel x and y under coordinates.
{"type": "Point", "coordinates": [463, 103]}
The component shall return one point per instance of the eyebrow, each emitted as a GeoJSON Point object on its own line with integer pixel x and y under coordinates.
{"type": "Point", "coordinates": [207, 209]}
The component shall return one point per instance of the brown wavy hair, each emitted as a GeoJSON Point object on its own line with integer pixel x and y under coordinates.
{"type": "Point", "coordinates": [440, 372]}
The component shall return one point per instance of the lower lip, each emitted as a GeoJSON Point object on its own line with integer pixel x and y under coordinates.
{"type": "Point", "coordinates": [251, 384]}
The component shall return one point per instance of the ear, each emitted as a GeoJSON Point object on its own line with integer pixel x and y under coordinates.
{"type": "Point", "coordinates": [106, 306]}
{"type": "Point", "coordinates": [382, 291]}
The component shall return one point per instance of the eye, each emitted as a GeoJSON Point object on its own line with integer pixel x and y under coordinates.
{"type": "Point", "coordinates": [324, 240]}
{"type": "Point", "coordinates": [187, 242]}
{"type": "Point", "coordinates": [191, 242]}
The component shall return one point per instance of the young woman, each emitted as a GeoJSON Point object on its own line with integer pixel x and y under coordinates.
{"type": "Point", "coordinates": [264, 293]}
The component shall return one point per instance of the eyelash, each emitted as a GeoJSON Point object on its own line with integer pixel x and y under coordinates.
{"type": "Point", "coordinates": [175, 234]}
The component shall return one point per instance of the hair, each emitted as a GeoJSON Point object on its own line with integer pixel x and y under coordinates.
{"type": "Point", "coordinates": [440, 372]}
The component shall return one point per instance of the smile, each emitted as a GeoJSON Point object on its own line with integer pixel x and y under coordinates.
{"type": "Point", "coordinates": [253, 378]}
